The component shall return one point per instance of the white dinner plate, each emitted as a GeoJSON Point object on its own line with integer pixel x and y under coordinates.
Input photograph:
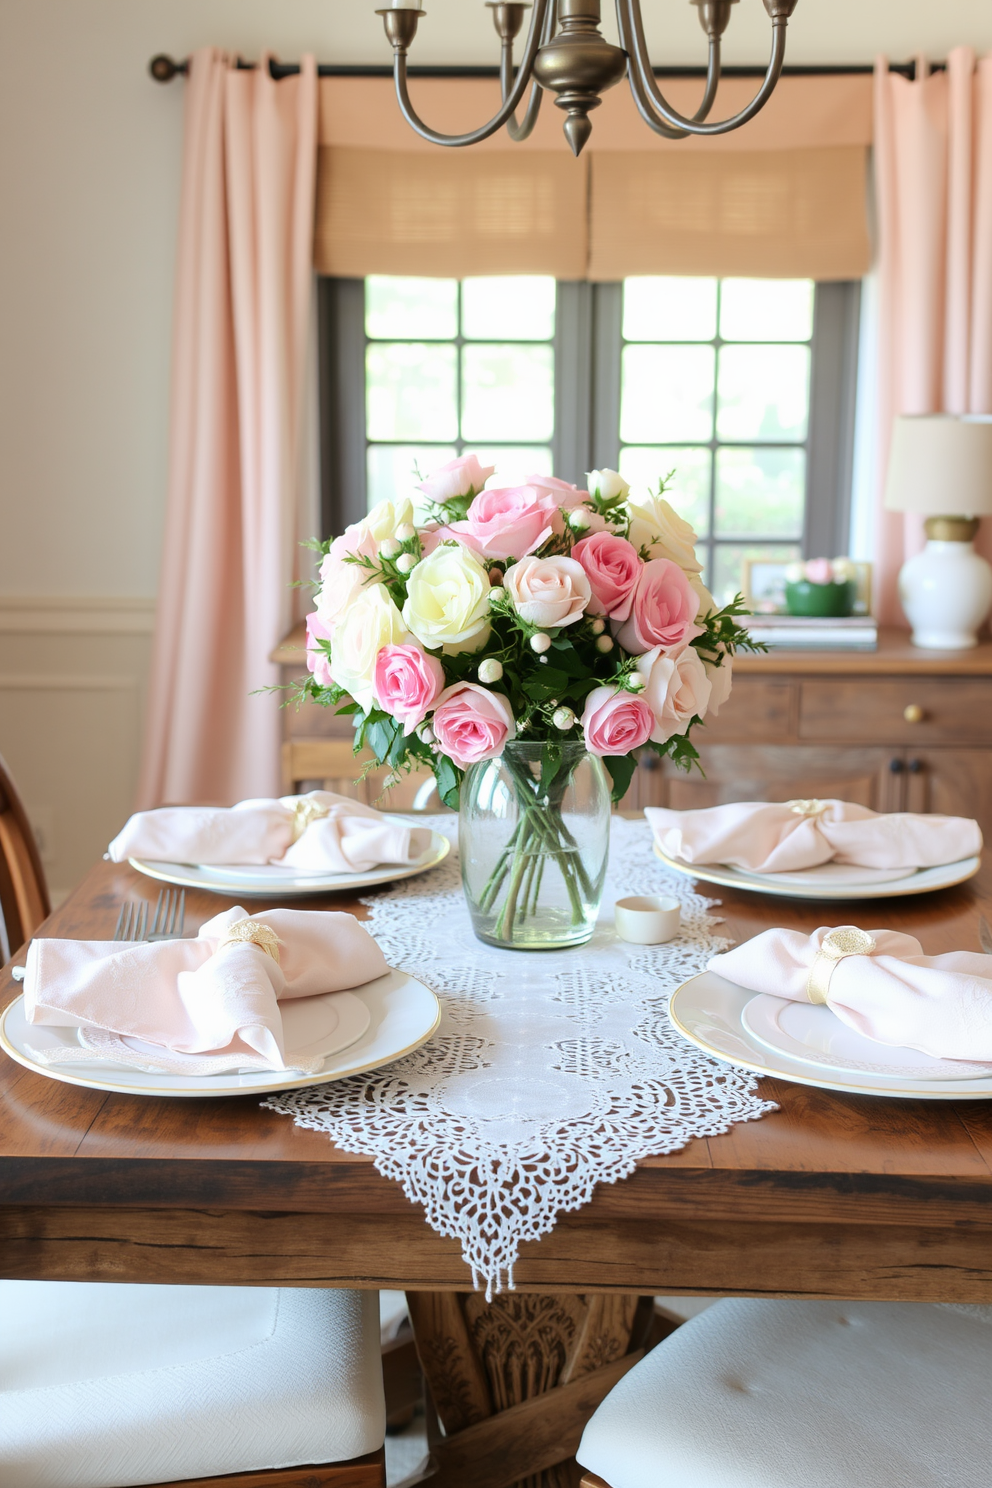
{"type": "Point", "coordinates": [402, 1015]}
{"type": "Point", "coordinates": [266, 879]}
{"type": "Point", "coordinates": [830, 880]}
{"type": "Point", "coordinates": [815, 1035]}
{"type": "Point", "coordinates": [708, 1010]}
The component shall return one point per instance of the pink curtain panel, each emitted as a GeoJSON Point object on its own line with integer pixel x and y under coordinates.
{"type": "Point", "coordinates": [243, 287]}
{"type": "Point", "coordinates": [933, 173]}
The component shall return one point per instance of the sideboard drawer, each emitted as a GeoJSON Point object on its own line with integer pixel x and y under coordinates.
{"type": "Point", "coordinates": [759, 709]}
{"type": "Point", "coordinates": [898, 710]}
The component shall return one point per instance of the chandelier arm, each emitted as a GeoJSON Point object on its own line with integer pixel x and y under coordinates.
{"type": "Point", "coordinates": [713, 67]}
{"type": "Point", "coordinates": [525, 128]}
{"type": "Point", "coordinates": [510, 103]}
{"type": "Point", "coordinates": [640, 97]}
{"type": "Point", "coordinates": [640, 61]}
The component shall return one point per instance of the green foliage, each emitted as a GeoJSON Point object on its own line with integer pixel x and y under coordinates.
{"type": "Point", "coordinates": [621, 769]}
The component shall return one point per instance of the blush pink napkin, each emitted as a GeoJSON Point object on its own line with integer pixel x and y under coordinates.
{"type": "Point", "coordinates": [939, 1004]}
{"type": "Point", "coordinates": [199, 996]}
{"type": "Point", "coordinates": [766, 837]}
{"type": "Point", "coordinates": [348, 838]}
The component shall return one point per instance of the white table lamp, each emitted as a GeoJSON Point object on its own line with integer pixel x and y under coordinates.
{"type": "Point", "coordinates": [941, 467]}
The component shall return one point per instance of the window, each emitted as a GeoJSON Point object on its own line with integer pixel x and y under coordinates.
{"type": "Point", "coordinates": [743, 387]}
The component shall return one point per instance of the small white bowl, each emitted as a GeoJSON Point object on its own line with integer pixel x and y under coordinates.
{"type": "Point", "coordinates": [647, 919]}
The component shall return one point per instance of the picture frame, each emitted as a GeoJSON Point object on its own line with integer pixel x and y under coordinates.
{"type": "Point", "coordinates": [763, 585]}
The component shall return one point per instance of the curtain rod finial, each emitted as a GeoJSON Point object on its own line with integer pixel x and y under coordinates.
{"type": "Point", "coordinates": [163, 68]}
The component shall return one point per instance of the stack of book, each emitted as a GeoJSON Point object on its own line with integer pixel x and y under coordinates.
{"type": "Point", "coordinates": [805, 633]}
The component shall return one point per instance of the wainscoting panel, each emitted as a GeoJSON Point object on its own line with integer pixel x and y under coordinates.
{"type": "Point", "coordinates": [72, 691]}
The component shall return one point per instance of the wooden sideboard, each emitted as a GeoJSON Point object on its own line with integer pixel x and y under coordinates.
{"type": "Point", "coordinates": [897, 729]}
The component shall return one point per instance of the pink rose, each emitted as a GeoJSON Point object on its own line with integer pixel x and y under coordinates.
{"type": "Point", "coordinates": [613, 568]}
{"type": "Point", "coordinates": [341, 581]}
{"type": "Point", "coordinates": [406, 681]}
{"type": "Point", "coordinates": [678, 690]}
{"type": "Point", "coordinates": [566, 496]}
{"type": "Point", "coordinates": [548, 592]}
{"type": "Point", "coordinates": [819, 571]}
{"type": "Point", "coordinates": [471, 723]}
{"type": "Point", "coordinates": [318, 661]}
{"type": "Point", "coordinates": [615, 722]}
{"type": "Point", "coordinates": [664, 607]}
{"type": "Point", "coordinates": [508, 522]}
{"type": "Point", "coordinates": [461, 477]}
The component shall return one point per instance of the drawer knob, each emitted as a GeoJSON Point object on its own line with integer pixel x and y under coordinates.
{"type": "Point", "coordinates": [913, 713]}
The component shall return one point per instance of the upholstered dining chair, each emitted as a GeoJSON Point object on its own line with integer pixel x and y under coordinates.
{"type": "Point", "coordinates": [24, 899]}
{"type": "Point", "coordinates": [794, 1394]}
{"type": "Point", "coordinates": [113, 1386]}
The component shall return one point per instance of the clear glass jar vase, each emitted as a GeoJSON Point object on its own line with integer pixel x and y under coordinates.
{"type": "Point", "coordinates": [534, 832]}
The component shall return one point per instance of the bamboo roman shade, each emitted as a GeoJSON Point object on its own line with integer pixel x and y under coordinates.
{"type": "Point", "coordinates": [783, 197]}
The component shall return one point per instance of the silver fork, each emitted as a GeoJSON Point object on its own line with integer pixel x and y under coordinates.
{"type": "Point", "coordinates": [168, 921]}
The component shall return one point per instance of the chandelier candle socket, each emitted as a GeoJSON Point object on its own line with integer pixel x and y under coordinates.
{"type": "Point", "coordinates": [529, 699]}
{"type": "Point", "coordinates": [566, 54]}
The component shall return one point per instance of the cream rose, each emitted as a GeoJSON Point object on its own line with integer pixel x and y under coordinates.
{"type": "Point", "coordinates": [386, 516]}
{"type": "Point", "coordinates": [607, 485]}
{"type": "Point", "coordinates": [706, 600]}
{"type": "Point", "coordinates": [721, 681]}
{"type": "Point", "coordinates": [677, 690]}
{"type": "Point", "coordinates": [447, 600]}
{"type": "Point", "coordinates": [548, 592]}
{"type": "Point", "coordinates": [370, 622]}
{"type": "Point", "coordinates": [658, 527]}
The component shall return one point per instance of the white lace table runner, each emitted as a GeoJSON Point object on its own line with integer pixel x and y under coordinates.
{"type": "Point", "coordinates": [551, 1071]}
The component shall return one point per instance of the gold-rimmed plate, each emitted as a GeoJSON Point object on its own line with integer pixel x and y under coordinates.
{"type": "Point", "coordinates": [403, 1014]}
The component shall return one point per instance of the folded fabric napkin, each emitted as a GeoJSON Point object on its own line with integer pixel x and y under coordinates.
{"type": "Point", "coordinates": [878, 982]}
{"type": "Point", "coordinates": [319, 832]}
{"type": "Point", "coordinates": [216, 996]}
{"type": "Point", "coordinates": [769, 837]}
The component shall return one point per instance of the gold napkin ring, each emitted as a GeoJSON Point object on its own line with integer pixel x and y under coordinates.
{"type": "Point", "coordinates": [811, 807]}
{"type": "Point", "coordinates": [253, 932]}
{"type": "Point", "coordinates": [304, 812]}
{"type": "Point", "coordinates": [847, 940]}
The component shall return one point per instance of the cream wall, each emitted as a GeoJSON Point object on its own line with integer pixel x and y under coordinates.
{"type": "Point", "coordinates": [89, 181]}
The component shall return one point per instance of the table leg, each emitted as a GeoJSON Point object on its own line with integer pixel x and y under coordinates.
{"type": "Point", "coordinates": [513, 1381]}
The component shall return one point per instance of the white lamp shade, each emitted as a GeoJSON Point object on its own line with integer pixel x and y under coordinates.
{"type": "Point", "coordinates": [940, 465]}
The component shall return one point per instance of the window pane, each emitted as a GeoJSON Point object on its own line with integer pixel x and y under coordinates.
{"type": "Point", "coordinates": [514, 462]}
{"type": "Point", "coordinates": [667, 394]}
{"type": "Point", "coordinates": [766, 309]}
{"type": "Point", "coordinates": [392, 469]}
{"type": "Point", "coordinates": [690, 489]}
{"type": "Point", "coordinates": [727, 562]}
{"type": "Point", "coordinates": [411, 307]}
{"type": "Point", "coordinates": [410, 391]}
{"type": "Point", "coordinates": [508, 392]}
{"type": "Point", "coordinates": [760, 490]}
{"type": "Point", "coordinates": [656, 309]}
{"type": "Point", "coordinates": [515, 308]}
{"type": "Point", "coordinates": [763, 392]}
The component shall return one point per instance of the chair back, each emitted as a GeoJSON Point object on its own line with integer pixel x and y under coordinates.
{"type": "Point", "coordinates": [330, 764]}
{"type": "Point", "coordinates": [24, 901]}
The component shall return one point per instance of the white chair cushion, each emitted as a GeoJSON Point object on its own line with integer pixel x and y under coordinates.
{"type": "Point", "coordinates": [762, 1394]}
{"type": "Point", "coordinates": [106, 1386]}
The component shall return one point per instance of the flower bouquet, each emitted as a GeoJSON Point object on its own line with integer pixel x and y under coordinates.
{"type": "Point", "coordinates": [516, 641]}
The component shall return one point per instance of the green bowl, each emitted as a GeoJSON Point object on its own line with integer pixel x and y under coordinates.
{"type": "Point", "coordinates": [821, 600]}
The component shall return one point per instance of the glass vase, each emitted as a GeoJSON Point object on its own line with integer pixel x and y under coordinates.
{"type": "Point", "coordinates": [533, 832]}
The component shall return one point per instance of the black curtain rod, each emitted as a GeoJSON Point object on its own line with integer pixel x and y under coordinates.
{"type": "Point", "coordinates": [164, 68]}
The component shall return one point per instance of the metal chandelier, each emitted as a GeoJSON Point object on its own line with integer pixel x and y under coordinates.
{"type": "Point", "coordinates": [566, 54]}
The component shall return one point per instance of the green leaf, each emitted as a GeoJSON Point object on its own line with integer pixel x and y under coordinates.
{"type": "Point", "coordinates": [550, 763]}
{"type": "Point", "coordinates": [621, 768]}
{"type": "Point", "coordinates": [449, 779]}
{"type": "Point", "coordinates": [379, 736]}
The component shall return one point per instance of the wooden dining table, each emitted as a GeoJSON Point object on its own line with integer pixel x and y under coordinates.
{"type": "Point", "coordinates": [829, 1196]}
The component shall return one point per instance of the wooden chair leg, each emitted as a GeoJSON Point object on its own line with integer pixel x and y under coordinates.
{"type": "Point", "coordinates": [360, 1472]}
{"type": "Point", "coordinates": [590, 1480]}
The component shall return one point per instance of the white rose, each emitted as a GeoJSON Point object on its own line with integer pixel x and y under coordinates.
{"type": "Point", "coordinates": [548, 592]}
{"type": "Point", "coordinates": [706, 600]}
{"type": "Point", "coordinates": [607, 485]}
{"type": "Point", "coordinates": [721, 681]}
{"type": "Point", "coordinates": [657, 526]}
{"type": "Point", "coordinates": [386, 516]}
{"type": "Point", "coordinates": [447, 600]}
{"type": "Point", "coordinates": [678, 689]}
{"type": "Point", "coordinates": [370, 622]}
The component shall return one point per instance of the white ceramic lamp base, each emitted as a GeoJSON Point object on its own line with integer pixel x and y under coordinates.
{"type": "Point", "coordinates": [946, 592]}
